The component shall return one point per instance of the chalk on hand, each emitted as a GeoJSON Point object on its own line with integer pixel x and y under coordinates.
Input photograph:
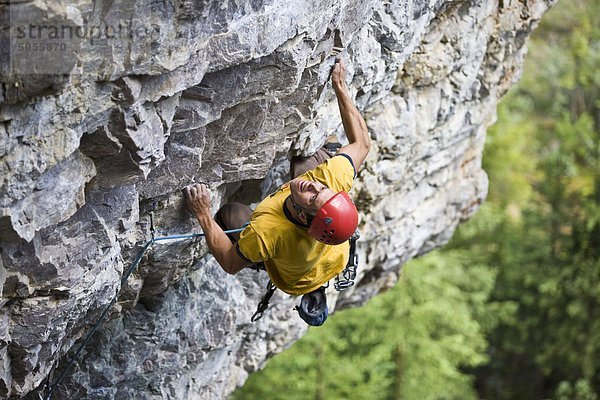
{"type": "Point", "coordinates": [192, 184]}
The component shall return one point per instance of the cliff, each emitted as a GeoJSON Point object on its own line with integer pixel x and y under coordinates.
{"type": "Point", "coordinates": [98, 133]}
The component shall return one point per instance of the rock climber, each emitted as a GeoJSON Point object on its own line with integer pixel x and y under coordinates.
{"type": "Point", "coordinates": [300, 233]}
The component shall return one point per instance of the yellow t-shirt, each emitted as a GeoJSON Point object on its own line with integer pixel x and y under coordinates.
{"type": "Point", "coordinates": [295, 261]}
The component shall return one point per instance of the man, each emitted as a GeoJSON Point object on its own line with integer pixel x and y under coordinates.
{"type": "Point", "coordinates": [301, 231]}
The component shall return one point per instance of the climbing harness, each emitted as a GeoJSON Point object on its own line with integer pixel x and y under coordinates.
{"type": "Point", "coordinates": [313, 306]}
{"type": "Point", "coordinates": [124, 279]}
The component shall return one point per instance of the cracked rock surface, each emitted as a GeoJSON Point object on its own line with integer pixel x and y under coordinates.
{"type": "Point", "coordinates": [222, 92]}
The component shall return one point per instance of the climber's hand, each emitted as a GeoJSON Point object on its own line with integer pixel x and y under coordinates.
{"type": "Point", "coordinates": [198, 198]}
{"type": "Point", "coordinates": [338, 75]}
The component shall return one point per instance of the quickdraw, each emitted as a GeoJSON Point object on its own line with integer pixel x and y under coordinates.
{"type": "Point", "coordinates": [349, 273]}
{"type": "Point", "coordinates": [264, 302]}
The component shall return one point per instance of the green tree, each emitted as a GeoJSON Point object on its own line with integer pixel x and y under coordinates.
{"type": "Point", "coordinates": [546, 244]}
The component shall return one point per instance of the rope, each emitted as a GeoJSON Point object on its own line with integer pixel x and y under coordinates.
{"type": "Point", "coordinates": [124, 279]}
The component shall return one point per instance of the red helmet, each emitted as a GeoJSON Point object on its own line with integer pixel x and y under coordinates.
{"type": "Point", "coordinates": [336, 221]}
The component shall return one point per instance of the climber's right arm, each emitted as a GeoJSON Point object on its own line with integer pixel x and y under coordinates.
{"type": "Point", "coordinates": [198, 199]}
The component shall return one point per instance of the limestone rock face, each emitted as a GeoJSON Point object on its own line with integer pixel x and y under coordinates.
{"type": "Point", "coordinates": [221, 92]}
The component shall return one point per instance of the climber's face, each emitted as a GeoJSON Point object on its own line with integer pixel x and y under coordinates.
{"type": "Point", "coordinates": [310, 195]}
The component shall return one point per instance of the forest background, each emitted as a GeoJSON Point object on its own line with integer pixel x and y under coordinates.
{"type": "Point", "coordinates": [510, 308]}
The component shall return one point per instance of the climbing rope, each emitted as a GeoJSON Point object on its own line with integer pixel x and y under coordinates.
{"type": "Point", "coordinates": [124, 279]}
{"type": "Point", "coordinates": [349, 274]}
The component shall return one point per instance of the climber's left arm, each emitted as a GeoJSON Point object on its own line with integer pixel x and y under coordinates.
{"type": "Point", "coordinates": [198, 199]}
{"type": "Point", "coordinates": [354, 124]}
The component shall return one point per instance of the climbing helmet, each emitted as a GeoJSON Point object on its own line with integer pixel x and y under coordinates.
{"type": "Point", "coordinates": [336, 221]}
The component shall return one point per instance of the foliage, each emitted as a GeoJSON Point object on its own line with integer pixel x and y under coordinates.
{"type": "Point", "coordinates": [581, 390]}
{"type": "Point", "coordinates": [543, 158]}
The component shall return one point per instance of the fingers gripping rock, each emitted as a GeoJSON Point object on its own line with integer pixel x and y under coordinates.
{"type": "Point", "coordinates": [198, 197]}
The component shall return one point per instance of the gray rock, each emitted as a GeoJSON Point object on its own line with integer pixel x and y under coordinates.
{"type": "Point", "coordinates": [97, 138]}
